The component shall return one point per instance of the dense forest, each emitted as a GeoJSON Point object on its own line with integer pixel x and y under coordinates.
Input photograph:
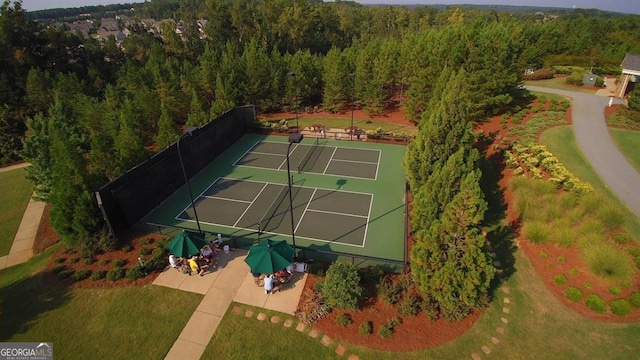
{"type": "Point", "coordinates": [83, 111]}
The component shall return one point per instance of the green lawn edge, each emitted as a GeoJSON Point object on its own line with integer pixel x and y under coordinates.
{"type": "Point", "coordinates": [628, 142]}
{"type": "Point", "coordinates": [15, 192]}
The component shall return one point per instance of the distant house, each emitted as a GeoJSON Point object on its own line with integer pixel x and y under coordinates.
{"type": "Point", "coordinates": [630, 74]}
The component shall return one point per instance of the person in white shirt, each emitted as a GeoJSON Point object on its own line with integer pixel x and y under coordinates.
{"type": "Point", "coordinates": [175, 262]}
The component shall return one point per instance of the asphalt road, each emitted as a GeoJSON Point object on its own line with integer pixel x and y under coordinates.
{"type": "Point", "coordinates": [595, 142]}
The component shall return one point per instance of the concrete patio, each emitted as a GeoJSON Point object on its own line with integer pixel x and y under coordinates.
{"type": "Point", "coordinates": [231, 281]}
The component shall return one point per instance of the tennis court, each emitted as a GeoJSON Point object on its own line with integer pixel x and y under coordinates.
{"type": "Point", "coordinates": [317, 158]}
{"type": "Point", "coordinates": [318, 214]}
{"type": "Point", "coordinates": [348, 197]}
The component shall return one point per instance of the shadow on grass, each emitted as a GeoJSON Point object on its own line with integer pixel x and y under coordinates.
{"type": "Point", "coordinates": [24, 301]}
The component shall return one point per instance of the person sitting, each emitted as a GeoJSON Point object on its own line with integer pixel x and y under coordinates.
{"type": "Point", "coordinates": [175, 262]}
{"type": "Point", "coordinates": [270, 286]}
{"type": "Point", "coordinates": [195, 267]}
{"type": "Point", "coordinates": [258, 279]}
{"type": "Point", "coordinates": [283, 276]}
{"type": "Point", "coordinates": [208, 255]}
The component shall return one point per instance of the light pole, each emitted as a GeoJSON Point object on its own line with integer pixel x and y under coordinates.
{"type": "Point", "coordinates": [185, 132]}
{"type": "Point", "coordinates": [294, 138]}
{"type": "Point", "coordinates": [291, 74]}
{"type": "Point", "coordinates": [353, 94]}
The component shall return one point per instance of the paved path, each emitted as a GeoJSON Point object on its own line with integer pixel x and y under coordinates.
{"type": "Point", "coordinates": [593, 137]}
{"type": "Point", "coordinates": [22, 246]}
{"type": "Point", "coordinates": [230, 282]}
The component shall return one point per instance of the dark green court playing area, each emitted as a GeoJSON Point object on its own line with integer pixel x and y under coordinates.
{"type": "Point", "coordinates": [348, 196]}
{"type": "Point", "coordinates": [319, 214]}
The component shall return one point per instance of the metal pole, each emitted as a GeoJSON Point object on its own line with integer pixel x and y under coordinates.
{"type": "Point", "coordinates": [353, 94]}
{"type": "Point", "coordinates": [293, 228]}
{"type": "Point", "coordinates": [186, 180]}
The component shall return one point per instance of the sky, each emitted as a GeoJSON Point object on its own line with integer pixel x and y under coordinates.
{"type": "Point", "coordinates": [623, 6]}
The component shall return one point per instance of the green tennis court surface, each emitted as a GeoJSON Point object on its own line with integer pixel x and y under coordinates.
{"type": "Point", "coordinates": [316, 158]}
{"type": "Point", "coordinates": [319, 214]}
{"type": "Point", "coordinates": [348, 197]}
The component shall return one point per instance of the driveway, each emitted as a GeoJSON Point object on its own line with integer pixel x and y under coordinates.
{"type": "Point", "coordinates": [595, 142]}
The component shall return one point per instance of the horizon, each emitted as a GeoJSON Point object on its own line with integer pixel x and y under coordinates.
{"type": "Point", "coordinates": [621, 6]}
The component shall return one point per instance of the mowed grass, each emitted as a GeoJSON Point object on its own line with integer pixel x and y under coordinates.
{"type": "Point", "coordinates": [559, 83]}
{"type": "Point", "coordinates": [15, 191]}
{"type": "Point", "coordinates": [561, 142]}
{"type": "Point", "coordinates": [117, 323]}
{"type": "Point", "coordinates": [628, 142]}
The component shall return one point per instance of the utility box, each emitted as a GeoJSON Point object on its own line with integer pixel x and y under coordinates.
{"type": "Point", "coordinates": [589, 79]}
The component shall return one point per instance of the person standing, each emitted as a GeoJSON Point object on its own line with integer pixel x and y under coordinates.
{"type": "Point", "coordinates": [269, 284]}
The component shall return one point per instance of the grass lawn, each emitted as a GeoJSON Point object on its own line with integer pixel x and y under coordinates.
{"type": "Point", "coordinates": [549, 96]}
{"type": "Point", "coordinates": [15, 192]}
{"type": "Point", "coordinates": [558, 83]}
{"type": "Point", "coordinates": [118, 323]}
{"type": "Point", "coordinates": [562, 143]}
{"type": "Point", "coordinates": [343, 123]}
{"type": "Point", "coordinates": [628, 143]}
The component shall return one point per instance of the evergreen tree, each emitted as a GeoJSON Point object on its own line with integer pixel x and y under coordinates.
{"type": "Point", "coordinates": [197, 115]}
{"type": "Point", "coordinates": [168, 132]}
{"type": "Point", "coordinates": [337, 84]}
{"type": "Point", "coordinates": [37, 152]}
{"type": "Point", "coordinates": [129, 144]}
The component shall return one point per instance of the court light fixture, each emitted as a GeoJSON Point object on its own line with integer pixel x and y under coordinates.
{"type": "Point", "coordinates": [353, 95]}
{"type": "Point", "coordinates": [294, 138]}
{"type": "Point", "coordinates": [292, 74]}
{"type": "Point", "coordinates": [188, 131]}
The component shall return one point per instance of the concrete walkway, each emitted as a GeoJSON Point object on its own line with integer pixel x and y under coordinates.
{"type": "Point", "coordinates": [232, 281]}
{"type": "Point", "coordinates": [593, 138]}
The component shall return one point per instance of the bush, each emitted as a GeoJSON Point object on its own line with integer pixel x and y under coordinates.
{"type": "Point", "coordinates": [58, 268]}
{"type": "Point", "coordinates": [574, 294]}
{"type": "Point", "coordinates": [64, 274]}
{"type": "Point", "coordinates": [313, 310]}
{"type": "Point", "coordinates": [621, 237]}
{"type": "Point", "coordinates": [561, 259]}
{"type": "Point", "coordinates": [615, 290]}
{"type": "Point", "coordinates": [573, 272]}
{"type": "Point", "coordinates": [543, 254]}
{"type": "Point", "coordinates": [560, 279]}
{"type": "Point", "coordinates": [596, 303]}
{"type": "Point", "coordinates": [74, 260]}
{"type": "Point", "coordinates": [390, 291]}
{"type": "Point", "coordinates": [135, 273]}
{"type": "Point", "coordinates": [157, 264]}
{"type": "Point", "coordinates": [344, 320]}
{"type": "Point", "coordinates": [540, 74]}
{"type": "Point", "coordinates": [574, 79]}
{"type": "Point", "coordinates": [611, 217]}
{"type": "Point", "coordinates": [620, 307]}
{"type": "Point", "coordinates": [385, 331]}
{"type": "Point", "coordinates": [608, 262]}
{"type": "Point", "coordinates": [106, 242]}
{"type": "Point", "coordinates": [89, 261]}
{"type": "Point", "coordinates": [60, 260]}
{"type": "Point", "coordinates": [318, 268]}
{"type": "Point", "coordinates": [430, 307]}
{"type": "Point", "coordinates": [409, 305]}
{"type": "Point", "coordinates": [341, 287]}
{"type": "Point", "coordinates": [98, 275]}
{"type": "Point", "coordinates": [365, 328]}
{"type": "Point", "coordinates": [104, 262]}
{"type": "Point", "coordinates": [634, 299]}
{"type": "Point", "coordinates": [119, 263]}
{"type": "Point", "coordinates": [146, 241]}
{"type": "Point", "coordinates": [145, 251]}
{"type": "Point", "coordinates": [115, 274]}
{"type": "Point", "coordinates": [127, 248]}
{"type": "Point", "coordinates": [371, 274]}
{"type": "Point", "coordinates": [537, 232]}
{"type": "Point", "coordinates": [81, 274]}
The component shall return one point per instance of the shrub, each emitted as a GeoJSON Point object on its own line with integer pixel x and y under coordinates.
{"type": "Point", "coordinates": [621, 237]}
{"type": "Point", "coordinates": [127, 248]}
{"type": "Point", "coordinates": [344, 320]}
{"type": "Point", "coordinates": [574, 294]}
{"type": "Point", "coordinates": [145, 251]}
{"type": "Point", "coordinates": [409, 305]}
{"type": "Point", "coordinates": [98, 275]}
{"type": "Point", "coordinates": [119, 263]}
{"type": "Point", "coordinates": [371, 274]}
{"type": "Point", "coordinates": [60, 260]}
{"type": "Point", "coordinates": [543, 254]}
{"type": "Point", "coordinates": [608, 262]}
{"type": "Point", "coordinates": [430, 307]}
{"type": "Point", "coordinates": [537, 232]}
{"type": "Point", "coordinates": [74, 260]}
{"type": "Point", "coordinates": [561, 259]}
{"type": "Point", "coordinates": [89, 261]}
{"type": "Point", "coordinates": [540, 74]}
{"type": "Point", "coordinates": [573, 272]}
{"type": "Point", "coordinates": [58, 268]}
{"type": "Point", "coordinates": [626, 283]}
{"type": "Point", "coordinates": [620, 307]}
{"type": "Point", "coordinates": [81, 274]}
{"type": "Point", "coordinates": [390, 291]}
{"type": "Point", "coordinates": [341, 288]}
{"type": "Point", "coordinates": [588, 285]}
{"type": "Point", "coordinates": [156, 264]}
{"type": "Point", "coordinates": [135, 273]}
{"type": "Point", "coordinates": [65, 274]}
{"type": "Point", "coordinates": [115, 274]}
{"type": "Point", "coordinates": [634, 299]}
{"type": "Point", "coordinates": [560, 279]}
{"type": "Point", "coordinates": [596, 303]}
{"type": "Point", "coordinates": [385, 331]}
{"type": "Point", "coordinates": [104, 262]}
{"type": "Point", "coordinates": [318, 268]}
{"type": "Point", "coordinates": [574, 79]}
{"type": "Point", "coordinates": [106, 242]}
{"type": "Point", "coordinates": [365, 328]}
{"type": "Point", "coordinates": [146, 241]}
{"type": "Point", "coordinates": [313, 310]}
{"type": "Point", "coordinates": [610, 216]}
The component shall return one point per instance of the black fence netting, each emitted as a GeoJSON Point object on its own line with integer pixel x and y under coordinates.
{"type": "Point", "coordinates": [128, 198]}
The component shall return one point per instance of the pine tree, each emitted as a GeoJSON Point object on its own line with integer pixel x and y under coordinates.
{"type": "Point", "coordinates": [168, 132]}
{"type": "Point", "coordinates": [37, 152]}
{"type": "Point", "coordinates": [336, 81]}
{"type": "Point", "coordinates": [197, 116]}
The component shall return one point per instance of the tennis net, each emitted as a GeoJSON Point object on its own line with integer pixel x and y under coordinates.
{"type": "Point", "coordinates": [308, 155]}
{"type": "Point", "coordinates": [273, 209]}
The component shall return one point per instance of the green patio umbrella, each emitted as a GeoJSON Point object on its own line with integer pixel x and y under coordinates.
{"type": "Point", "coordinates": [187, 244]}
{"type": "Point", "coordinates": [269, 256]}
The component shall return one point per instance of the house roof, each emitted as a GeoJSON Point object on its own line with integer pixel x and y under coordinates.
{"type": "Point", "coordinates": [631, 62]}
